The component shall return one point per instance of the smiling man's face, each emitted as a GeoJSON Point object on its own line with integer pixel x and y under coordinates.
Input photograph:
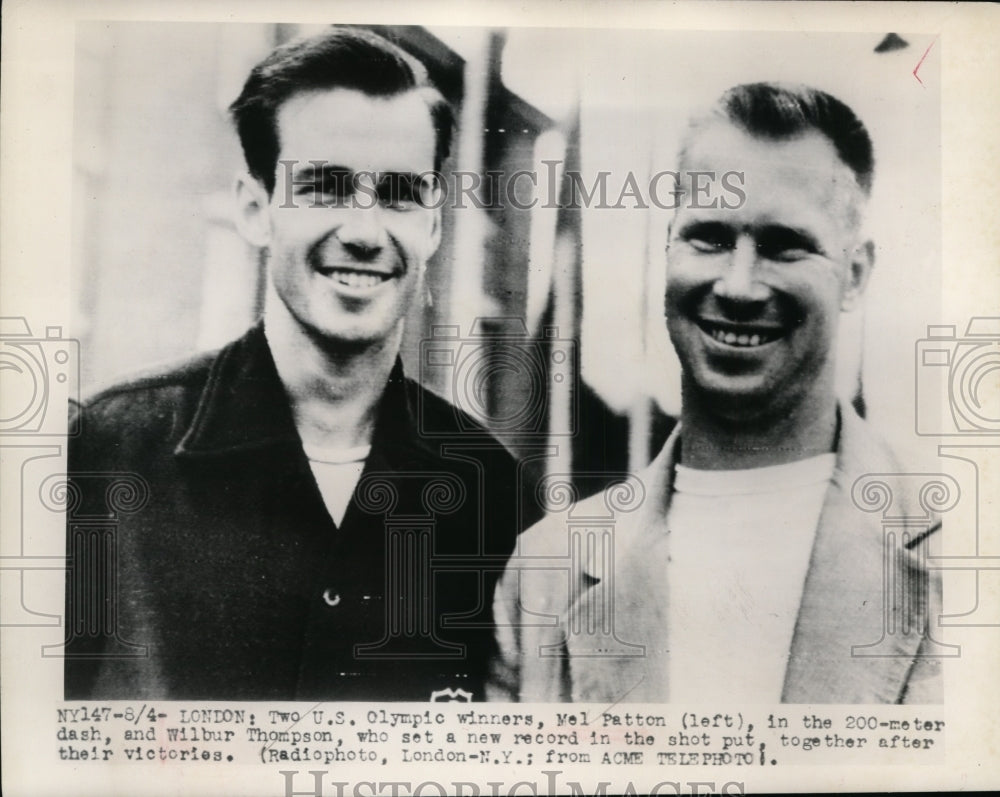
{"type": "Point", "coordinates": [754, 293]}
{"type": "Point", "coordinates": [347, 266]}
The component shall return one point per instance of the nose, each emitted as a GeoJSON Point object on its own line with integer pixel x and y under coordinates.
{"type": "Point", "coordinates": [737, 289]}
{"type": "Point", "coordinates": [361, 230]}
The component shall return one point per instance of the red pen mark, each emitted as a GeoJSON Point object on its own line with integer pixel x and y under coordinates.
{"type": "Point", "coordinates": [917, 67]}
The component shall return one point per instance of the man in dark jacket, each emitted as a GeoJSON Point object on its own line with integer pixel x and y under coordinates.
{"type": "Point", "coordinates": [268, 522]}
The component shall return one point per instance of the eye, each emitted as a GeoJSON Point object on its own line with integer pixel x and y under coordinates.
{"type": "Point", "coordinates": [399, 191]}
{"type": "Point", "coordinates": [337, 186]}
{"type": "Point", "coordinates": [330, 188]}
{"type": "Point", "coordinates": [708, 237]}
{"type": "Point", "coordinates": [785, 245]}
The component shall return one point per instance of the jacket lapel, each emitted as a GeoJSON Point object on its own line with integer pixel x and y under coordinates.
{"type": "Point", "coordinates": [626, 659]}
{"type": "Point", "coordinates": [243, 405]}
{"type": "Point", "coordinates": [243, 408]}
{"type": "Point", "coordinates": [843, 606]}
{"type": "Point", "coordinates": [851, 586]}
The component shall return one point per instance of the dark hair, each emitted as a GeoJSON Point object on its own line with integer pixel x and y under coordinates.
{"type": "Point", "coordinates": [349, 58]}
{"type": "Point", "coordinates": [782, 111]}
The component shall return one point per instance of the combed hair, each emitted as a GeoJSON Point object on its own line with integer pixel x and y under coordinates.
{"type": "Point", "coordinates": [781, 111]}
{"type": "Point", "coordinates": [343, 57]}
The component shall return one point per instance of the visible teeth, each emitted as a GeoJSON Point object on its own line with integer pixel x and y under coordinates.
{"type": "Point", "coordinates": [353, 279]}
{"type": "Point", "coordinates": [732, 339]}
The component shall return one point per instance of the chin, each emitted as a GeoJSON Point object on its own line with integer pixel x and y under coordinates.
{"type": "Point", "coordinates": [732, 402]}
{"type": "Point", "coordinates": [338, 336]}
{"type": "Point", "coordinates": [732, 397]}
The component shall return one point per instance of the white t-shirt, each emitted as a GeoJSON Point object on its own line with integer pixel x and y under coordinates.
{"type": "Point", "coordinates": [739, 548]}
{"type": "Point", "coordinates": [337, 471]}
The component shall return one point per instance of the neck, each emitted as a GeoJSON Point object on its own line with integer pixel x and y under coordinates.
{"type": "Point", "coordinates": [334, 389]}
{"type": "Point", "coordinates": [735, 441]}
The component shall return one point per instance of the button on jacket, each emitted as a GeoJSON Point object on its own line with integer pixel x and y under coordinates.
{"type": "Point", "coordinates": [204, 565]}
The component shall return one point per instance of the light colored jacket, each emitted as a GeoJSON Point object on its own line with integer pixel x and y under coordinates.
{"type": "Point", "coordinates": [582, 609]}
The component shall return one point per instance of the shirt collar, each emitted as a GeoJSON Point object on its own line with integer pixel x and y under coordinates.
{"type": "Point", "coordinates": [244, 407]}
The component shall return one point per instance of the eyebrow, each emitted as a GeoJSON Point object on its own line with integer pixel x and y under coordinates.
{"type": "Point", "coordinates": [312, 171]}
{"type": "Point", "coordinates": [788, 235]}
{"type": "Point", "coordinates": [397, 175]}
{"type": "Point", "coordinates": [327, 172]}
{"type": "Point", "coordinates": [704, 225]}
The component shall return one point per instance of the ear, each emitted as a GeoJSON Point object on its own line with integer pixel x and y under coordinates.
{"type": "Point", "coordinates": [435, 239]}
{"type": "Point", "coordinates": [253, 213]}
{"type": "Point", "coordinates": [859, 270]}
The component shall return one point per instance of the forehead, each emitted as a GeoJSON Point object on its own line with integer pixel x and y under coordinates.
{"type": "Point", "coordinates": [799, 179]}
{"type": "Point", "coordinates": [353, 129]}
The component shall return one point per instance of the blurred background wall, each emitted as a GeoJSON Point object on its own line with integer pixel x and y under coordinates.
{"type": "Point", "coordinates": [554, 313]}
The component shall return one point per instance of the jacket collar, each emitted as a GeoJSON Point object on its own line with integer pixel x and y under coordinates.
{"type": "Point", "coordinates": [629, 664]}
{"type": "Point", "coordinates": [841, 651]}
{"type": "Point", "coordinates": [243, 407]}
{"type": "Point", "coordinates": [841, 608]}
{"type": "Point", "coordinates": [630, 530]}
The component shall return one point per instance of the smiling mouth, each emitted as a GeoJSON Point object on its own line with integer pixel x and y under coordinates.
{"type": "Point", "coordinates": [353, 278]}
{"type": "Point", "coordinates": [740, 335]}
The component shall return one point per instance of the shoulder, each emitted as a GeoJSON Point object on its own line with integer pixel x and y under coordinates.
{"type": "Point", "coordinates": [877, 482]}
{"type": "Point", "coordinates": [147, 409]}
{"type": "Point", "coordinates": [867, 465]}
{"type": "Point", "coordinates": [440, 415]}
{"type": "Point", "coordinates": [437, 418]}
{"type": "Point", "coordinates": [138, 394]}
{"type": "Point", "coordinates": [861, 447]}
{"type": "Point", "coordinates": [550, 536]}
{"type": "Point", "coordinates": [186, 373]}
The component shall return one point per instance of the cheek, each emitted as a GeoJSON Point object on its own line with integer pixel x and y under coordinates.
{"type": "Point", "coordinates": [284, 249]}
{"type": "Point", "coordinates": [296, 227]}
{"type": "Point", "coordinates": [671, 297]}
{"type": "Point", "coordinates": [822, 294]}
{"type": "Point", "coordinates": [687, 268]}
{"type": "Point", "coordinates": [413, 234]}
{"type": "Point", "coordinates": [413, 285]}
{"type": "Point", "coordinates": [283, 276]}
{"type": "Point", "coordinates": [682, 279]}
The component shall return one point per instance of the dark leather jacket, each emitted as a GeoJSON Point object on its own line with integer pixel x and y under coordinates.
{"type": "Point", "coordinates": [204, 565]}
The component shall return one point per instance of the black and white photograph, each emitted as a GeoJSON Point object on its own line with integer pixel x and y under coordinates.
{"type": "Point", "coordinates": [570, 400]}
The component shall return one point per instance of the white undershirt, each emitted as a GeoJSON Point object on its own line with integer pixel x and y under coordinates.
{"type": "Point", "coordinates": [739, 547]}
{"type": "Point", "coordinates": [337, 471]}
